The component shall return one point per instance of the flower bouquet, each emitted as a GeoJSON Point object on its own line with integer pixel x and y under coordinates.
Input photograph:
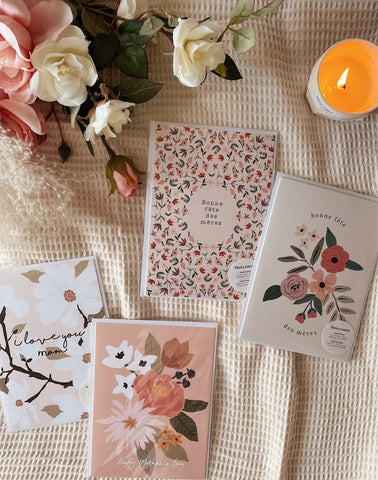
{"type": "Point", "coordinates": [55, 51]}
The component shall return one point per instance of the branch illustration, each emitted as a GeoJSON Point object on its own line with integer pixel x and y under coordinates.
{"type": "Point", "coordinates": [27, 370]}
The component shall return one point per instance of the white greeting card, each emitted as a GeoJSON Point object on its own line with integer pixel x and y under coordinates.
{"type": "Point", "coordinates": [152, 392]}
{"type": "Point", "coordinates": [207, 197]}
{"type": "Point", "coordinates": [46, 312]}
{"type": "Point", "coordinates": [313, 269]}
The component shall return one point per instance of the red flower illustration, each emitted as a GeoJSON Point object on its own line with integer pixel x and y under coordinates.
{"type": "Point", "coordinates": [311, 313]}
{"type": "Point", "coordinates": [300, 317]}
{"type": "Point", "coordinates": [160, 393]}
{"type": "Point", "coordinates": [334, 259]}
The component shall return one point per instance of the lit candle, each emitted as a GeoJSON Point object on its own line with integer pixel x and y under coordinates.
{"type": "Point", "coordinates": [344, 81]}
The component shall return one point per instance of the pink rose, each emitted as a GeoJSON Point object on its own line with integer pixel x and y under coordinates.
{"type": "Point", "coordinates": [121, 176]}
{"type": "Point", "coordinates": [24, 122]}
{"type": "Point", "coordinates": [294, 287]}
{"type": "Point", "coordinates": [23, 25]}
{"type": "Point", "coordinates": [160, 393]}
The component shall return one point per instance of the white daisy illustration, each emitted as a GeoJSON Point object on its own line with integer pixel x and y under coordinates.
{"type": "Point", "coordinates": [131, 426]}
{"type": "Point", "coordinates": [118, 357]}
{"type": "Point", "coordinates": [21, 414]}
{"type": "Point", "coordinates": [72, 409]}
{"type": "Point", "coordinates": [62, 293]}
{"type": "Point", "coordinates": [8, 299]}
{"type": "Point", "coordinates": [141, 364]}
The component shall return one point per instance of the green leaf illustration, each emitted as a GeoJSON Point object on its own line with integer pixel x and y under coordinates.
{"type": "Point", "coordinates": [152, 347]}
{"type": "Point", "coordinates": [330, 238]}
{"type": "Point", "coordinates": [137, 90]}
{"type": "Point", "coordinates": [146, 457]}
{"type": "Point", "coordinates": [342, 288]}
{"type": "Point", "coordinates": [175, 452]}
{"type": "Point", "coordinates": [345, 299]}
{"type": "Point", "coordinates": [298, 251]}
{"type": "Point", "coordinates": [318, 305]}
{"type": "Point", "coordinates": [33, 275]}
{"type": "Point", "coordinates": [307, 298]}
{"type": "Point", "coordinates": [52, 410]}
{"type": "Point", "coordinates": [288, 258]}
{"type": "Point", "coordinates": [272, 293]}
{"type": "Point", "coordinates": [298, 269]}
{"type": "Point", "coordinates": [347, 311]}
{"type": "Point", "coordinates": [185, 425]}
{"type": "Point", "coordinates": [243, 39]}
{"type": "Point", "coordinates": [80, 267]}
{"type": "Point", "coordinates": [228, 70]}
{"type": "Point", "coordinates": [317, 250]}
{"type": "Point", "coordinates": [353, 265]}
{"type": "Point", "coordinates": [330, 307]}
{"type": "Point", "coordinates": [194, 405]}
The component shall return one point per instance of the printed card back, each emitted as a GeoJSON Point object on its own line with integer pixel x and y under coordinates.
{"type": "Point", "coordinates": [313, 269]}
{"type": "Point", "coordinates": [207, 198]}
{"type": "Point", "coordinates": [152, 392]}
{"type": "Point", "coordinates": [45, 320]}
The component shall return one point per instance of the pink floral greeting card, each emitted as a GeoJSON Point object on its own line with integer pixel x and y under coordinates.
{"type": "Point", "coordinates": [207, 197]}
{"type": "Point", "coordinates": [151, 404]}
{"type": "Point", "coordinates": [46, 312]}
{"type": "Point", "coordinates": [313, 269]}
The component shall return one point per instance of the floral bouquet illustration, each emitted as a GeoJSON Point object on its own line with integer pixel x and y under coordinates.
{"type": "Point", "coordinates": [150, 415]}
{"type": "Point", "coordinates": [322, 292]}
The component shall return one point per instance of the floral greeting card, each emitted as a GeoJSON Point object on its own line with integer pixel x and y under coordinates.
{"type": "Point", "coordinates": [152, 391]}
{"type": "Point", "coordinates": [207, 197]}
{"type": "Point", "coordinates": [313, 269]}
{"type": "Point", "coordinates": [46, 312]}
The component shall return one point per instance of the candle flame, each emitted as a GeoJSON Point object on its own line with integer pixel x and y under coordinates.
{"type": "Point", "coordinates": [342, 80]}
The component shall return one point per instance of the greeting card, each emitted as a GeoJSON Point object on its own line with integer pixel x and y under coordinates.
{"type": "Point", "coordinates": [46, 312]}
{"type": "Point", "coordinates": [152, 391]}
{"type": "Point", "coordinates": [313, 269]}
{"type": "Point", "coordinates": [207, 197]}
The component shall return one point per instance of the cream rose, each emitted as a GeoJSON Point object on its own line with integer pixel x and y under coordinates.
{"type": "Point", "coordinates": [131, 8]}
{"type": "Point", "coordinates": [196, 50]}
{"type": "Point", "coordinates": [107, 119]}
{"type": "Point", "coordinates": [64, 68]}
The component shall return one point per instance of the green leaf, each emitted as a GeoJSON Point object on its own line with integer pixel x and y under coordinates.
{"type": "Point", "coordinates": [342, 288]}
{"type": "Point", "coordinates": [94, 23]}
{"type": "Point", "coordinates": [317, 250]}
{"type": "Point", "coordinates": [185, 425]}
{"type": "Point", "coordinates": [243, 39]}
{"type": "Point", "coordinates": [298, 251]}
{"type": "Point", "coordinates": [318, 305]}
{"type": "Point", "coordinates": [330, 238]}
{"type": "Point", "coordinates": [175, 452]}
{"type": "Point", "coordinates": [330, 307]}
{"type": "Point", "coordinates": [129, 26]}
{"type": "Point", "coordinates": [347, 311]}
{"type": "Point", "coordinates": [151, 26]}
{"type": "Point", "coordinates": [132, 61]}
{"type": "Point", "coordinates": [103, 49]}
{"type": "Point", "coordinates": [272, 293]}
{"type": "Point", "coordinates": [194, 405]}
{"type": "Point", "coordinates": [353, 265]}
{"type": "Point", "coordinates": [146, 457]}
{"type": "Point", "coordinates": [109, 176]}
{"type": "Point", "coordinates": [269, 7]}
{"type": "Point", "coordinates": [289, 258]}
{"type": "Point", "coordinates": [307, 298]}
{"type": "Point", "coordinates": [242, 11]}
{"type": "Point", "coordinates": [152, 347]}
{"type": "Point", "coordinates": [345, 299]}
{"type": "Point", "coordinates": [298, 269]}
{"type": "Point", "coordinates": [137, 90]}
{"type": "Point", "coordinates": [228, 70]}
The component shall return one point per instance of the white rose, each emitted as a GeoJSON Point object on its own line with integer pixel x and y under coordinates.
{"type": "Point", "coordinates": [196, 50]}
{"type": "Point", "coordinates": [131, 8]}
{"type": "Point", "coordinates": [64, 68]}
{"type": "Point", "coordinates": [107, 119]}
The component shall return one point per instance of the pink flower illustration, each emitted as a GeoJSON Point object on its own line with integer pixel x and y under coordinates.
{"type": "Point", "coordinates": [320, 286]}
{"type": "Point", "coordinates": [294, 287]}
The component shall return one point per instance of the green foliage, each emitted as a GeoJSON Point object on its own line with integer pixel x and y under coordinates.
{"type": "Point", "coordinates": [228, 70]}
{"type": "Point", "coordinates": [137, 90]}
{"type": "Point", "coordinates": [103, 49]}
{"type": "Point", "coordinates": [272, 293]}
{"type": "Point", "coordinates": [243, 39]}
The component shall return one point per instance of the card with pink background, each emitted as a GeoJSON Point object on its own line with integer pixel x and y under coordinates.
{"type": "Point", "coordinates": [45, 327]}
{"type": "Point", "coordinates": [207, 197]}
{"type": "Point", "coordinates": [151, 403]}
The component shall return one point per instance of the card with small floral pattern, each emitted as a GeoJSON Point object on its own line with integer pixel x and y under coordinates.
{"type": "Point", "coordinates": [208, 190]}
{"type": "Point", "coordinates": [46, 312]}
{"type": "Point", "coordinates": [313, 269]}
{"type": "Point", "coordinates": [152, 394]}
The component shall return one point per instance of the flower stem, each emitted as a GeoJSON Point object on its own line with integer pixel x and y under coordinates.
{"type": "Point", "coordinates": [58, 122]}
{"type": "Point", "coordinates": [111, 152]}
